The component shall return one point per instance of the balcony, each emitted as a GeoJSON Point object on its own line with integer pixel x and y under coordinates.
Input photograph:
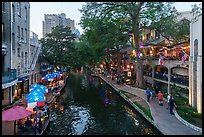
{"type": "Point", "coordinates": [9, 76]}
{"type": "Point", "coordinates": [4, 47]}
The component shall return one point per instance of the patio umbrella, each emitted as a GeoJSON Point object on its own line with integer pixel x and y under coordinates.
{"type": "Point", "coordinates": [49, 77]}
{"type": "Point", "coordinates": [34, 85]}
{"type": "Point", "coordinates": [45, 89]}
{"type": "Point", "coordinates": [14, 113]}
{"type": "Point", "coordinates": [35, 95]}
{"type": "Point", "coordinates": [42, 88]}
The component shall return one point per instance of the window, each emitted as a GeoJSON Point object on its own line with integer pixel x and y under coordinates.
{"type": "Point", "coordinates": [26, 56]}
{"type": "Point", "coordinates": [22, 60]}
{"type": "Point", "coordinates": [21, 33]}
{"type": "Point", "coordinates": [18, 52]}
{"type": "Point", "coordinates": [26, 14]}
{"type": "Point", "coordinates": [195, 48]}
{"type": "Point", "coordinates": [3, 6]}
{"type": "Point", "coordinates": [26, 35]}
{"type": "Point", "coordinates": [18, 31]}
{"type": "Point", "coordinates": [13, 13]}
{"type": "Point", "coordinates": [19, 9]}
{"type": "Point", "coordinates": [18, 70]}
{"type": "Point", "coordinates": [13, 42]}
{"type": "Point", "coordinates": [3, 32]}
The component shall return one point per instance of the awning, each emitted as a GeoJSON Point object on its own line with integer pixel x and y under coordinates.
{"type": "Point", "coordinates": [157, 41]}
{"type": "Point", "coordinates": [24, 78]}
{"type": "Point", "coordinates": [127, 49]}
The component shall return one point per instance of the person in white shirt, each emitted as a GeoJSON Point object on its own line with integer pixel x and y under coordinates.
{"type": "Point", "coordinates": [168, 97]}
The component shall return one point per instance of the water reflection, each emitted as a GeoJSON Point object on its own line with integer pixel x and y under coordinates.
{"type": "Point", "coordinates": [90, 107]}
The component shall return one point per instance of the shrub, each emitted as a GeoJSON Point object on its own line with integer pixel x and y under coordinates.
{"type": "Point", "coordinates": [16, 98]}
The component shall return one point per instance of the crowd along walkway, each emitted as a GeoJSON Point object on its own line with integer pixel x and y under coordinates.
{"type": "Point", "coordinates": [168, 124]}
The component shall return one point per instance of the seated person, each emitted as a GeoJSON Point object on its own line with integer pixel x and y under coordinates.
{"type": "Point", "coordinates": [28, 123]}
{"type": "Point", "coordinates": [20, 124]}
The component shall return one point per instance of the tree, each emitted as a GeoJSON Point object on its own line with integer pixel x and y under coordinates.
{"type": "Point", "coordinates": [104, 35]}
{"type": "Point", "coordinates": [139, 14]}
{"type": "Point", "coordinates": [58, 46]}
{"type": "Point", "coordinates": [173, 29]}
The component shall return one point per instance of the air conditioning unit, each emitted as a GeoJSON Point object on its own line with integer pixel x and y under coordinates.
{"type": "Point", "coordinates": [21, 41]}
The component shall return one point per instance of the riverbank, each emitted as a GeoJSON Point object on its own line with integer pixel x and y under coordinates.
{"type": "Point", "coordinates": [168, 124]}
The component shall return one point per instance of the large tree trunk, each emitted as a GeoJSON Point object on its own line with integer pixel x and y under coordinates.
{"type": "Point", "coordinates": [139, 65]}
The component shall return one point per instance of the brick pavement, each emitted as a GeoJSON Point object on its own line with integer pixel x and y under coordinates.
{"type": "Point", "coordinates": [168, 124]}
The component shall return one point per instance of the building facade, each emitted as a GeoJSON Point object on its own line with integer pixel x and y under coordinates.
{"type": "Point", "coordinates": [195, 63]}
{"type": "Point", "coordinates": [15, 47]}
{"type": "Point", "coordinates": [53, 20]}
{"type": "Point", "coordinates": [35, 49]}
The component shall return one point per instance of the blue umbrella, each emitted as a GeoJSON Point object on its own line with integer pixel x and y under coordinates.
{"type": "Point", "coordinates": [50, 77]}
{"type": "Point", "coordinates": [33, 99]}
{"type": "Point", "coordinates": [34, 85]}
{"type": "Point", "coordinates": [45, 89]}
{"type": "Point", "coordinates": [34, 93]}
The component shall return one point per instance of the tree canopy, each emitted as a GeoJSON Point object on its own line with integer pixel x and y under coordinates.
{"type": "Point", "coordinates": [58, 46]}
{"type": "Point", "coordinates": [133, 15]}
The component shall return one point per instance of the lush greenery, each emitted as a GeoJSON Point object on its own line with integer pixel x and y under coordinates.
{"type": "Point", "coordinates": [147, 112]}
{"type": "Point", "coordinates": [186, 111]}
{"type": "Point", "coordinates": [58, 47]}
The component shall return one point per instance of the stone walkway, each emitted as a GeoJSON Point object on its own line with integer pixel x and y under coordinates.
{"type": "Point", "coordinates": [168, 124]}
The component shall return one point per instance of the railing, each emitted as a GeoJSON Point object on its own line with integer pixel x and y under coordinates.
{"type": "Point", "coordinates": [174, 79]}
{"type": "Point", "coordinates": [179, 80]}
{"type": "Point", "coordinates": [161, 76]}
{"type": "Point", "coordinates": [9, 76]}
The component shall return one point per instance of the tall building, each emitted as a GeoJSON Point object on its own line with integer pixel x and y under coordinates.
{"type": "Point", "coordinates": [15, 48]}
{"type": "Point", "coordinates": [52, 20]}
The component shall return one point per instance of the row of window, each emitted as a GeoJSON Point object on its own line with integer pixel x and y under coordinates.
{"type": "Point", "coordinates": [21, 34]}
{"type": "Point", "coordinates": [19, 11]}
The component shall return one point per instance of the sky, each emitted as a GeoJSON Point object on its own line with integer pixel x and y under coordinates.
{"type": "Point", "coordinates": [38, 9]}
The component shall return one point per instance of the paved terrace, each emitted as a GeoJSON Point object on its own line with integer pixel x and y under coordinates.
{"type": "Point", "coordinates": [168, 124]}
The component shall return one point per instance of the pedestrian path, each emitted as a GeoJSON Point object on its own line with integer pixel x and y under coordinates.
{"type": "Point", "coordinates": [168, 124]}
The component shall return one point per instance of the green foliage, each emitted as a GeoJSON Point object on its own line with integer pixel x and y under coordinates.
{"type": "Point", "coordinates": [147, 112]}
{"type": "Point", "coordinates": [185, 110]}
{"type": "Point", "coordinates": [16, 98]}
{"type": "Point", "coordinates": [107, 23]}
{"type": "Point", "coordinates": [58, 47]}
{"type": "Point", "coordinates": [172, 29]}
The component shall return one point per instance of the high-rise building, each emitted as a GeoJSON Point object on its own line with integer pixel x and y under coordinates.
{"type": "Point", "coordinates": [15, 49]}
{"type": "Point", "coordinates": [53, 20]}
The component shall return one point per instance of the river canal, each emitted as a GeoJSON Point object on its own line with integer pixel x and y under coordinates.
{"type": "Point", "coordinates": [91, 107]}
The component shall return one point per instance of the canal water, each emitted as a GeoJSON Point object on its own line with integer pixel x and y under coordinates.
{"type": "Point", "coordinates": [88, 106]}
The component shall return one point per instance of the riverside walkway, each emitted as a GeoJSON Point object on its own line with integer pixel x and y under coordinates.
{"type": "Point", "coordinates": [168, 124]}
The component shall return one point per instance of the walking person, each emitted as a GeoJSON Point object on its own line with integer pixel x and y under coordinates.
{"type": "Point", "coordinates": [160, 98]}
{"type": "Point", "coordinates": [168, 97]}
{"type": "Point", "coordinates": [148, 94]}
{"type": "Point", "coordinates": [172, 105]}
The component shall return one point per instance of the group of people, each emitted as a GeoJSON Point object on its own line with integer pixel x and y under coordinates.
{"type": "Point", "coordinates": [28, 124]}
{"type": "Point", "coordinates": [170, 99]}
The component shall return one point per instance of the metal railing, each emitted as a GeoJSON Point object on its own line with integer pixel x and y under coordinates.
{"type": "Point", "coordinates": [9, 76]}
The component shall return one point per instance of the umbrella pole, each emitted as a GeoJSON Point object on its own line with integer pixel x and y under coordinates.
{"type": "Point", "coordinates": [36, 120]}
{"type": "Point", "coordinates": [15, 127]}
